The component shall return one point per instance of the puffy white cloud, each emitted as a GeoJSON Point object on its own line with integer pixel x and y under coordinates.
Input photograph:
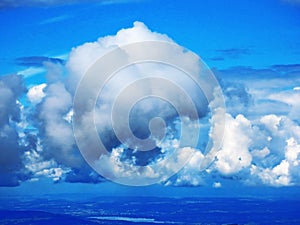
{"type": "Point", "coordinates": [58, 140]}
{"type": "Point", "coordinates": [217, 185]}
{"type": "Point", "coordinates": [277, 176]}
{"type": "Point", "coordinates": [296, 88]}
{"type": "Point", "coordinates": [260, 153]}
{"type": "Point", "coordinates": [234, 154]}
{"type": "Point", "coordinates": [135, 95]}
{"type": "Point", "coordinates": [82, 57]}
{"type": "Point", "coordinates": [292, 152]}
{"type": "Point", "coordinates": [35, 94]}
{"type": "Point", "coordinates": [279, 162]}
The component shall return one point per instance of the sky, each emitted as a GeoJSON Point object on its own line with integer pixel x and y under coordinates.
{"type": "Point", "coordinates": [251, 47]}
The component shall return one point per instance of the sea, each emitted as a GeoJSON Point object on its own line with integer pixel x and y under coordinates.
{"type": "Point", "coordinates": [150, 210]}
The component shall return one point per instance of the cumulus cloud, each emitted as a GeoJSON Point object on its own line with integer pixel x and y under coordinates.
{"type": "Point", "coordinates": [174, 88]}
{"type": "Point", "coordinates": [35, 94]}
{"type": "Point", "coordinates": [12, 170]}
{"type": "Point", "coordinates": [234, 154]}
{"type": "Point", "coordinates": [261, 134]}
{"type": "Point", "coordinates": [82, 57]}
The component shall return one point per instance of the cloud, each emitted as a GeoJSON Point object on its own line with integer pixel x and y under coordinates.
{"type": "Point", "coordinates": [55, 19]}
{"type": "Point", "coordinates": [50, 3]}
{"type": "Point", "coordinates": [37, 61]}
{"type": "Point", "coordinates": [58, 140]}
{"type": "Point", "coordinates": [233, 53]}
{"type": "Point", "coordinates": [36, 3]}
{"type": "Point", "coordinates": [31, 71]}
{"type": "Point", "coordinates": [36, 93]}
{"type": "Point", "coordinates": [12, 170]}
{"type": "Point", "coordinates": [284, 68]}
{"type": "Point", "coordinates": [217, 185]}
{"type": "Point", "coordinates": [292, 2]}
{"type": "Point", "coordinates": [217, 58]}
{"type": "Point", "coordinates": [260, 144]}
{"type": "Point", "coordinates": [255, 90]}
{"type": "Point", "coordinates": [291, 98]}
{"type": "Point", "coordinates": [234, 154]}
{"type": "Point", "coordinates": [168, 83]}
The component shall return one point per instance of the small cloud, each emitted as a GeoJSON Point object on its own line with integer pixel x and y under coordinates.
{"type": "Point", "coordinates": [286, 67]}
{"type": "Point", "coordinates": [217, 185]}
{"type": "Point", "coordinates": [36, 93]}
{"type": "Point", "coordinates": [296, 88]}
{"type": "Point", "coordinates": [55, 19]}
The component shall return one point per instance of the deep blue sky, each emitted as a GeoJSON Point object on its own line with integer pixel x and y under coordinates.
{"type": "Point", "coordinates": [227, 34]}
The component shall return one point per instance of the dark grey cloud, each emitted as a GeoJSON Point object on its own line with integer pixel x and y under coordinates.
{"type": "Point", "coordinates": [12, 170]}
{"type": "Point", "coordinates": [11, 87]}
{"type": "Point", "coordinates": [37, 61]}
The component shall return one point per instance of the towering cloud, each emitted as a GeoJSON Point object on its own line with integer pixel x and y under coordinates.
{"type": "Point", "coordinates": [261, 137]}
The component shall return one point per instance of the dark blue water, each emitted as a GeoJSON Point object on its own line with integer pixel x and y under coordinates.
{"type": "Point", "coordinates": [149, 210]}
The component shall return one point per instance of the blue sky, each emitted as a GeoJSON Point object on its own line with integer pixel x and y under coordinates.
{"type": "Point", "coordinates": [253, 48]}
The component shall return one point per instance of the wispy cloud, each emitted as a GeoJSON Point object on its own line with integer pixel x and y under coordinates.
{"type": "Point", "coordinates": [55, 19]}
{"type": "Point", "coordinates": [49, 3]}
{"type": "Point", "coordinates": [31, 71]}
{"type": "Point", "coordinates": [293, 2]}
{"type": "Point", "coordinates": [37, 61]}
{"type": "Point", "coordinates": [233, 52]}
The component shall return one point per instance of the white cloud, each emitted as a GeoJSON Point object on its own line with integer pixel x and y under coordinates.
{"type": "Point", "coordinates": [260, 153]}
{"type": "Point", "coordinates": [234, 154]}
{"type": "Point", "coordinates": [246, 145]}
{"type": "Point", "coordinates": [82, 57]}
{"type": "Point", "coordinates": [171, 90]}
{"type": "Point", "coordinates": [36, 93]}
{"type": "Point", "coordinates": [277, 176]}
{"type": "Point", "coordinates": [296, 88]}
{"type": "Point", "coordinates": [279, 164]}
{"type": "Point", "coordinates": [292, 152]}
{"type": "Point", "coordinates": [217, 185]}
